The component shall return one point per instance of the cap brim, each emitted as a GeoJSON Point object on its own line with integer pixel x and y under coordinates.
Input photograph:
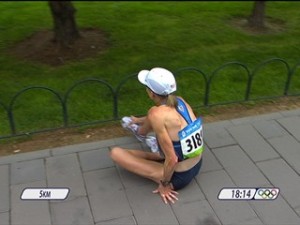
{"type": "Point", "coordinates": [142, 76]}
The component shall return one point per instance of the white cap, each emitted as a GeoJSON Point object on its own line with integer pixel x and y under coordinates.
{"type": "Point", "coordinates": [159, 80]}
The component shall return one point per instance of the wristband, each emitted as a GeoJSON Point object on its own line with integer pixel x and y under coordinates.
{"type": "Point", "coordinates": [165, 183]}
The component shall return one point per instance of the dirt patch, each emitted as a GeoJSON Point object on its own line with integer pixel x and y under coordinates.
{"type": "Point", "coordinates": [272, 26]}
{"type": "Point", "coordinates": [40, 47]}
{"type": "Point", "coordinates": [65, 137]}
{"type": "Point", "coordinates": [61, 137]}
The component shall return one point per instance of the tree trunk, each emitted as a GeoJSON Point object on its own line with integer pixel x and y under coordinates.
{"type": "Point", "coordinates": [65, 28]}
{"type": "Point", "coordinates": [257, 18]}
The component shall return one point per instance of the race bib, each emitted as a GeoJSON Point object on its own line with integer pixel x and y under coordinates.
{"type": "Point", "coordinates": [191, 139]}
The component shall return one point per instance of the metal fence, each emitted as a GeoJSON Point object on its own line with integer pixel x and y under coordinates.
{"type": "Point", "coordinates": [288, 77]}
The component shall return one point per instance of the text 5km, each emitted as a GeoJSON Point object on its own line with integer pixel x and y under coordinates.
{"type": "Point", "coordinates": [45, 193]}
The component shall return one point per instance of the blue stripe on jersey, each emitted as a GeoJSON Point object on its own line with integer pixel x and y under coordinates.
{"type": "Point", "coordinates": [183, 111]}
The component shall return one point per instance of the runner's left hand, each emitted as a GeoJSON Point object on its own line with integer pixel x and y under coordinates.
{"type": "Point", "coordinates": [166, 193]}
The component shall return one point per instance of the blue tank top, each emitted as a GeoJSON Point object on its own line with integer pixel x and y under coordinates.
{"type": "Point", "coordinates": [183, 111]}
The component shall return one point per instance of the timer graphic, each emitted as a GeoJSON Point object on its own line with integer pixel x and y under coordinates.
{"type": "Point", "coordinates": [236, 193]}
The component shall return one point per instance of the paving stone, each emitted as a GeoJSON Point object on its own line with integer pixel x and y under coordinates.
{"type": "Point", "coordinates": [74, 212]}
{"type": "Point", "coordinates": [119, 221]}
{"type": "Point", "coordinates": [148, 208]}
{"type": "Point", "coordinates": [4, 189]}
{"type": "Point", "coordinates": [27, 171]}
{"type": "Point", "coordinates": [276, 212]}
{"type": "Point", "coordinates": [269, 129]}
{"type": "Point", "coordinates": [289, 184]}
{"type": "Point", "coordinates": [196, 212]}
{"type": "Point", "coordinates": [251, 119]}
{"type": "Point", "coordinates": [95, 159]}
{"type": "Point", "coordinates": [28, 212]}
{"type": "Point", "coordinates": [82, 147]}
{"type": "Point", "coordinates": [218, 124]}
{"type": "Point", "coordinates": [289, 113]}
{"type": "Point", "coordinates": [106, 195]}
{"type": "Point", "coordinates": [289, 149]}
{"type": "Point", "coordinates": [292, 124]}
{"type": "Point", "coordinates": [130, 180]}
{"type": "Point", "coordinates": [109, 205]}
{"type": "Point", "coordinates": [190, 193]}
{"type": "Point", "coordinates": [102, 180]}
{"type": "Point", "coordinates": [4, 218]}
{"type": "Point", "coordinates": [252, 143]}
{"type": "Point", "coordinates": [229, 212]}
{"type": "Point", "coordinates": [241, 169]}
{"type": "Point", "coordinates": [209, 163]}
{"type": "Point", "coordinates": [217, 136]}
{"type": "Point", "coordinates": [24, 156]}
{"type": "Point", "coordinates": [297, 210]}
{"type": "Point", "coordinates": [64, 171]}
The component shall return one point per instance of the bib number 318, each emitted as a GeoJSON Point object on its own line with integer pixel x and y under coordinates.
{"type": "Point", "coordinates": [191, 139]}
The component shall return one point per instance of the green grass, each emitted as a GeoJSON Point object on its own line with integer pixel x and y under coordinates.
{"type": "Point", "coordinates": [144, 35]}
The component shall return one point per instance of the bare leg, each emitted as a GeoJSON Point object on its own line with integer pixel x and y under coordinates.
{"type": "Point", "coordinates": [139, 162]}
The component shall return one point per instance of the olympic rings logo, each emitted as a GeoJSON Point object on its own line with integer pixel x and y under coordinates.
{"type": "Point", "coordinates": [268, 193]}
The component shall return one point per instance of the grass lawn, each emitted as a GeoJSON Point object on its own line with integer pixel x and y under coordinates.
{"type": "Point", "coordinates": [143, 35]}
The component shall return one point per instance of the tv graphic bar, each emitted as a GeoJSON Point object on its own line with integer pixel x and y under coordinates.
{"type": "Point", "coordinates": [242, 193]}
{"type": "Point", "coordinates": [45, 193]}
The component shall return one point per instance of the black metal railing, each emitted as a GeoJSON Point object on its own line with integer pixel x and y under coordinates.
{"type": "Point", "coordinates": [289, 78]}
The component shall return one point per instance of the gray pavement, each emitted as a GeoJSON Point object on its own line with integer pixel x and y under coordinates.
{"type": "Point", "coordinates": [258, 151]}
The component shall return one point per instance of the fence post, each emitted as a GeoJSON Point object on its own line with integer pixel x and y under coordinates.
{"type": "Point", "coordinates": [207, 90]}
{"type": "Point", "coordinates": [290, 75]}
{"type": "Point", "coordinates": [116, 109]}
{"type": "Point", "coordinates": [11, 122]}
{"type": "Point", "coordinates": [65, 113]}
{"type": "Point", "coordinates": [249, 84]}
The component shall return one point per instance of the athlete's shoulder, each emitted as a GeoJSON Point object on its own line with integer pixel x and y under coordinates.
{"type": "Point", "coordinates": [154, 110]}
{"type": "Point", "coordinates": [157, 112]}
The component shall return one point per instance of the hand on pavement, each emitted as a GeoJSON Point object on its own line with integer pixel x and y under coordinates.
{"type": "Point", "coordinates": [166, 193]}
